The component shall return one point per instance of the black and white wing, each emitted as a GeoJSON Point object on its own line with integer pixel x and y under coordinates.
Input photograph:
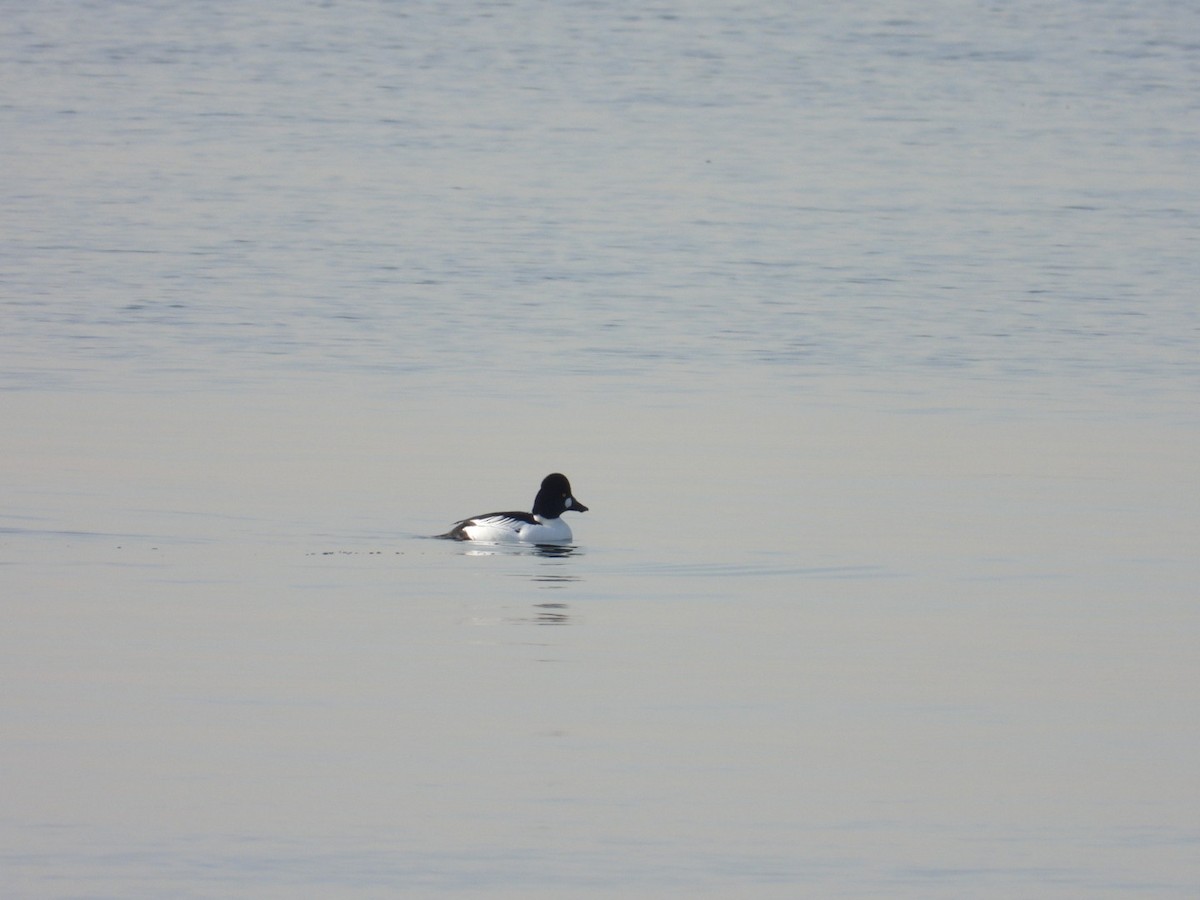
{"type": "Point", "coordinates": [503, 520]}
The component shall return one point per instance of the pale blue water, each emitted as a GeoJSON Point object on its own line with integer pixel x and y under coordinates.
{"type": "Point", "coordinates": [868, 333]}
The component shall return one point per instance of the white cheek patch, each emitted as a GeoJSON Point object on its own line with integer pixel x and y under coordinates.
{"type": "Point", "coordinates": [567, 503]}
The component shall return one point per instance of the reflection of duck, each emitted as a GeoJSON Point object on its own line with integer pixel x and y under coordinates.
{"type": "Point", "coordinates": [542, 526]}
{"type": "Point", "coordinates": [549, 614]}
{"type": "Point", "coordinates": [554, 582]}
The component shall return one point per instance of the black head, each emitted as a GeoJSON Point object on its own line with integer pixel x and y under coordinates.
{"type": "Point", "coordinates": [555, 498]}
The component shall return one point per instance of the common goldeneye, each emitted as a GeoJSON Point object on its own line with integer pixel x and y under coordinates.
{"type": "Point", "coordinates": [542, 526]}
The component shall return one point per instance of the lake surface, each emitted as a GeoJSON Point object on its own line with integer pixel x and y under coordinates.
{"type": "Point", "coordinates": [867, 331]}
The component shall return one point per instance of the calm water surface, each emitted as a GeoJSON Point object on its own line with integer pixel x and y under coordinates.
{"type": "Point", "coordinates": [868, 333]}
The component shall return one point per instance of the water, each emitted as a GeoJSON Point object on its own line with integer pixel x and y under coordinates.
{"type": "Point", "coordinates": [889, 305]}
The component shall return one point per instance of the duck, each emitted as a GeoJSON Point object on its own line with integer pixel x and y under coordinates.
{"type": "Point", "coordinates": [544, 525]}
